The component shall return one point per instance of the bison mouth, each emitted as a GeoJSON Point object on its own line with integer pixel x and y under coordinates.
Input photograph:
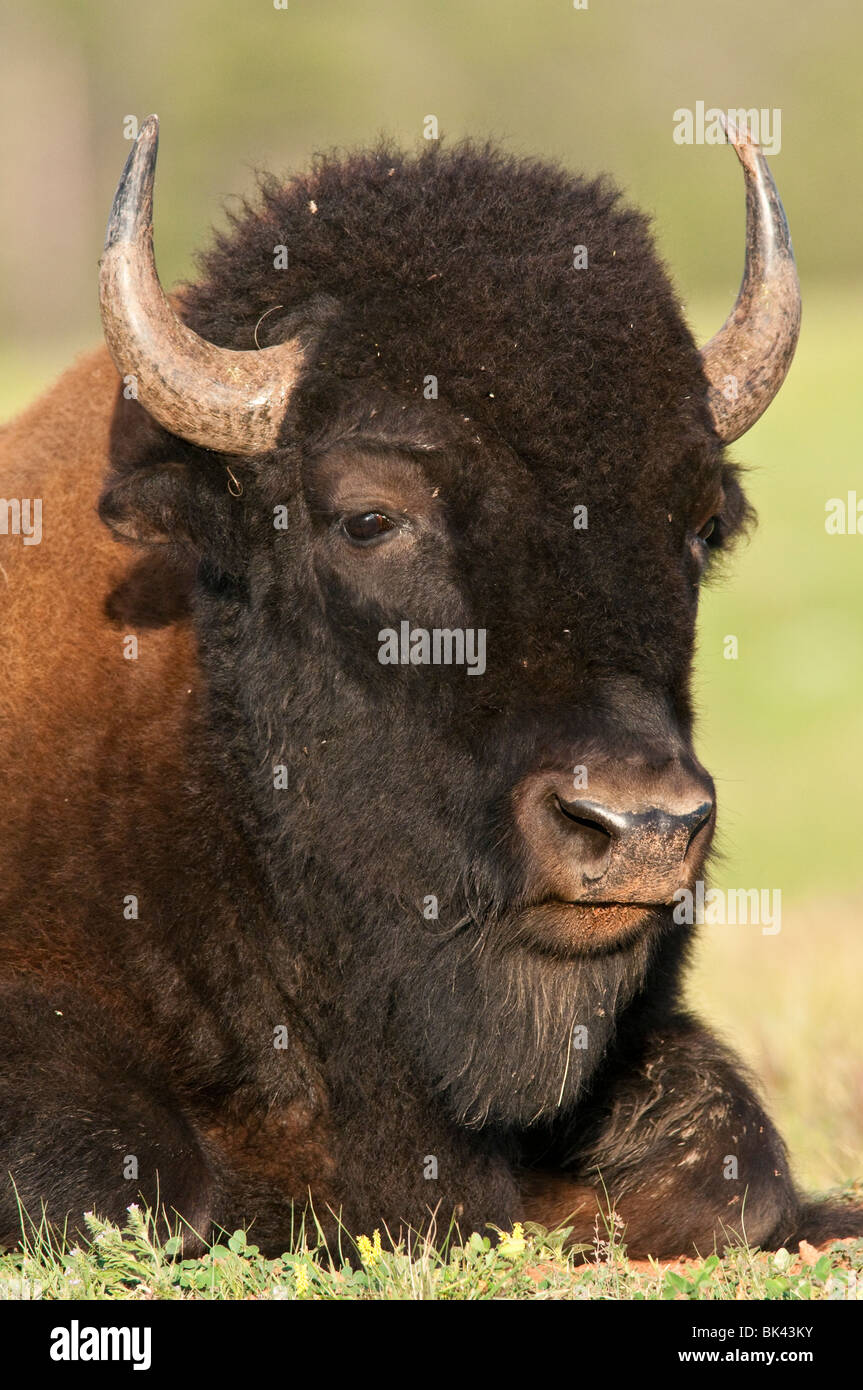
{"type": "Point", "coordinates": [592, 928]}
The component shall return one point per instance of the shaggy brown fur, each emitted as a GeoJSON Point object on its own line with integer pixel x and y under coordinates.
{"type": "Point", "coordinates": [263, 914]}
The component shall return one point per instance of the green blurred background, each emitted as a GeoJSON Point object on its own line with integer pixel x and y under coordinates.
{"type": "Point", "coordinates": [244, 85]}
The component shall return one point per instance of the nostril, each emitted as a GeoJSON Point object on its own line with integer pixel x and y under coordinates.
{"type": "Point", "coordinates": [575, 811]}
{"type": "Point", "coordinates": [700, 817]}
{"type": "Point", "coordinates": [614, 824]}
{"type": "Point", "coordinates": [588, 834]}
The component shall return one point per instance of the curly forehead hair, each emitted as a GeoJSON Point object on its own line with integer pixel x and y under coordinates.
{"type": "Point", "coordinates": [533, 296]}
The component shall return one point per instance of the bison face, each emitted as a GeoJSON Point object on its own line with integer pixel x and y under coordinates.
{"type": "Point", "coordinates": [493, 842]}
{"type": "Point", "coordinates": [489, 678]}
{"type": "Point", "coordinates": [447, 633]}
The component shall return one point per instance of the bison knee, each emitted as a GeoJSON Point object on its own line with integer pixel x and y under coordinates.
{"type": "Point", "coordinates": [81, 1139]}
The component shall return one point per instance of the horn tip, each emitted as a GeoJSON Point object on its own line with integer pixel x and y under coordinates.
{"type": "Point", "coordinates": [132, 206]}
{"type": "Point", "coordinates": [147, 141]}
{"type": "Point", "coordinates": [746, 147]}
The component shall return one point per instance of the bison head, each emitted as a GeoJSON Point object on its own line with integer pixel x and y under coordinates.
{"type": "Point", "coordinates": [447, 406]}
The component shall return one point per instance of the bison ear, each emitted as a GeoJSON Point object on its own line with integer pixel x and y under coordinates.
{"type": "Point", "coordinates": [175, 502]}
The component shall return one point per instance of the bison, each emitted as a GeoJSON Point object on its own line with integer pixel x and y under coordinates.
{"type": "Point", "coordinates": [303, 910]}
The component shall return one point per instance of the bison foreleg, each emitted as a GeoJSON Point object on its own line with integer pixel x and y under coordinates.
{"type": "Point", "coordinates": [681, 1150]}
{"type": "Point", "coordinates": [86, 1125]}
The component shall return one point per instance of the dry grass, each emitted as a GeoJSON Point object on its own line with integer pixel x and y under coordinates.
{"type": "Point", "coordinates": [790, 1004]}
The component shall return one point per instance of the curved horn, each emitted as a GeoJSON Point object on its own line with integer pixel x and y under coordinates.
{"type": "Point", "coordinates": [747, 360]}
{"type": "Point", "coordinates": [232, 402]}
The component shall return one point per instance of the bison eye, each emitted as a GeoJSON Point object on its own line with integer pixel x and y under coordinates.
{"type": "Point", "coordinates": [367, 527]}
{"type": "Point", "coordinates": [705, 540]}
{"type": "Point", "coordinates": [710, 535]}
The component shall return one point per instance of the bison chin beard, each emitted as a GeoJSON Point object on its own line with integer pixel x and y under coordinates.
{"type": "Point", "coordinates": [508, 1035]}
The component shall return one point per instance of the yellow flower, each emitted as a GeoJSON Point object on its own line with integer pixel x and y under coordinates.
{"type": "Point", "coordinates": [302, 1281]}
{"type": "Point", "coordinates": [370, 1251]}
{"type": "Point", "coordinates": [513, 1245]}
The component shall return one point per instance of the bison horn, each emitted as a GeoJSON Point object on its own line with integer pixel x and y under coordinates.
{"type": "Point", "coordinates": [747, 360]}
{"type": "Point", "coordinates": [232, 402]}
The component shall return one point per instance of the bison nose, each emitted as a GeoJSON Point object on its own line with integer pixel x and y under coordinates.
{"type": "Point", "coordinates": [621, 850]}
{"type": "Point", "coordinates": [634, 839]}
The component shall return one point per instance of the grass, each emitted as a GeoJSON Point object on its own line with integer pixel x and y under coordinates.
{"type": "Point", "coordinates": [787, 1003]}
{"type": "Point", "coordinates": [527, 1263]}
